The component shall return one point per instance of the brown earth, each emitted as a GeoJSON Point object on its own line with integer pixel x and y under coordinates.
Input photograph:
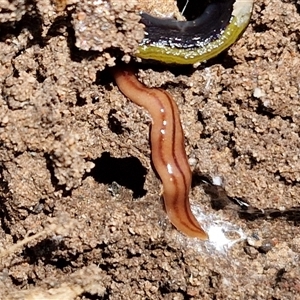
{"type": "Point", "coordinates": [80, 209]}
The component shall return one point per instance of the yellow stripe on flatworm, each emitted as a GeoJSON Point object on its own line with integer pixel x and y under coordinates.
{"type": "Point", "coordinates": [169, 55]}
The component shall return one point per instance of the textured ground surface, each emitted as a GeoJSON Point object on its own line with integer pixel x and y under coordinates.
{"type": "Point", "coordinates": [80, 209]}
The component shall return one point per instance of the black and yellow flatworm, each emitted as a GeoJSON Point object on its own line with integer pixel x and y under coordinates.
{"type": "Point", "coordinates": [189, 42]}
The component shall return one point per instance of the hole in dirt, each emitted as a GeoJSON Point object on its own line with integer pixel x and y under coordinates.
{"type": "Point", "coordinates": [54, 180]}
{"type": "Point", "coordinates": [44, 251]}
{"type": "Point", "coordinates": [201, 118]}
{"type": "Point", "coordinates": [32, 21]}
{"type": "Point", "coordinates": [58, 27]}
{"type": "Point", "coordinates": [127, 172]}
{"type": "Point", "coordinates": [39, 76]}
{"type": "Point", "coordinates": [261, 28]}
{"type": "Point", "coordinates": [104, 78]}
{"type": "Point", "coordinates": [80, 101]}
{"type": "Point", "coordinates": [205, 135]}
{"type": "Point", "coordinates": [230, 118]}
{"type": "Point", "coordinates": [114, 124]}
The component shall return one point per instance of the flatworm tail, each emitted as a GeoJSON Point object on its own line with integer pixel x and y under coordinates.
{"type": "Point", "coordinates": [168, 153]}
{"type": "Point", "coordinates": [189, 42]}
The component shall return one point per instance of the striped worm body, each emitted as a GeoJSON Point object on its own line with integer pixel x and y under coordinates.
{"type": "Point", "coordinates": [167, 147]}
{"type": "Point", "coordinates": [189, 42]}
